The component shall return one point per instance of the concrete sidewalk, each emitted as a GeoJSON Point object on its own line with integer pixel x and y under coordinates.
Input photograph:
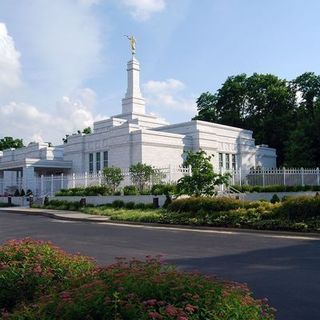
{"type": "Point", "coordinates": [57, 214]}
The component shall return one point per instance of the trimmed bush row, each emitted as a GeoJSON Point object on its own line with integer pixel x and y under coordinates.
{"type": "Point", "coordinates": [275, 188]}
{"type": "Point", "coordinates": [39, 281]}
{"type": "Point", "coordinates": [104, 190]}
{"type": "Point", "coordinates": [76, 205]}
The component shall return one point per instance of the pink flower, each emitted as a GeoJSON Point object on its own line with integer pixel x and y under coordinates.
{"type": "Point", "coordinates": [150, 303]}
{"type": "Point", "coordinates": [190, 308]}
{"type": "Point", "coordinates": [171, 310]}
{"type": "Point", "coordinates": [155, 315]}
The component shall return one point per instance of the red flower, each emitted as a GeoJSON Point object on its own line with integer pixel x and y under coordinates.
{"type": "Point", "coordinates": [171, 310]}
{"type": "Point", "coordinates": [155, 315]}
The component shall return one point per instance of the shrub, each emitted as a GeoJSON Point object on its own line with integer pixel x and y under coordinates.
{"type": "Point", "coordinates": [22, 193]}
{"type": "Point", "coordinates": [130, 191]}
{"type": "Point", "coordinates": [113, 177]}
{"type": "Point", "coordinates": [16, 193]}
{"type": "Point", "coordinates": [299, 208]}
{"type": "Point", "coordinates": [140, 206]}
{"type": "Point", "coordinates": [138, 290]}
{"type": "Point", "coordinates": [118, 204]}
{"type": "Point", "coordinates": [275, 199]}
{"type": "Point", "coordinates": [163, 189]}
{"type": "Point", "coordinates": [130, 205]}
{"type": "Point", "coordinates": [29, 269]}
{"type": "Point", "coordinates": [207, 204]}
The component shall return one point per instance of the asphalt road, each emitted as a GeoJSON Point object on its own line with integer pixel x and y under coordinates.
{"type": "Point", "coordinates": [286, 270]}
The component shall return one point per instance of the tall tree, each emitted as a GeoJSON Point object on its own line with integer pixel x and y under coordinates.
{"type": "Point", "coordinates": [9, 142]}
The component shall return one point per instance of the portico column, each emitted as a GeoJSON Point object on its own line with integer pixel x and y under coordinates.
{"type": "Point", "coordinates": [1, 183]}
{"type": "Point", "coordinates": [29, 179]}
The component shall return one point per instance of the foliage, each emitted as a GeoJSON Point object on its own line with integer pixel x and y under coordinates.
{"type": "Point", "coordinates": [163, 189]}
{"type": "Point", "coordinates": [9, 142]}
{"type": "Point", "coordinates": [300, 209]}
{"type": "Point", "coordinates": [141, 174]}
{"type": "Point", "coordinates": [203, 179]}
{"type": "Point", "coordinates": [275, 199]}
{"type": "Point", "coordinates": [275, 188]}
{"type": "Point", "coordinates": [130, 191]}
{"type": "Point", "coordinates": [283, 114]}
{"type": "Point", "coordinates": [87, 130]}
{"type": "Point", "coordinates": [131, 289]}
{"type": "Point", "coordinates": [16, 193]}
{"type": "Point", "coordinates": [113, 177]}
{"type": "Point", "coordinates": [29, 269]}
{"type": "Point", "coordinates": [22, 193]}
{"type": "Point", "coordinates": [205, 204]}
{"type": "Point", "coordinates": [88, 191]}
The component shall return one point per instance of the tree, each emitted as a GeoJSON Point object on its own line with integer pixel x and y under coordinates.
{"type": "Point", "coordinates": [113, 177]}
{"type": "Point", "coordinates": [262, 103]}
{"type": "Point", "coordinates": [9, 142]}
{"type": "Point", "coordinates": [84, 131]}
{"type": "Point", "coordinates": [141, 174]}
{"type": "Point", "coordinates": [203, 179]}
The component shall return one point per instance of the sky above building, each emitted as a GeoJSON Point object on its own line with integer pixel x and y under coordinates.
{"type": "Point", "coordinates": [63, 62]}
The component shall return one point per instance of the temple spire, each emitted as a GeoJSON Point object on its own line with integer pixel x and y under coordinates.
{"type": "Point", "coordinates": [133, 101]}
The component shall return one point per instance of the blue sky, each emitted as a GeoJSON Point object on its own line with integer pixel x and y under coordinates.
{"type": "Point", "coordinates": [63, 62]}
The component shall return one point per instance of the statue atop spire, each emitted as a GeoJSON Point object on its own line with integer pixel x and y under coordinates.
{"type": "Point", "coordinates": [133, 44]}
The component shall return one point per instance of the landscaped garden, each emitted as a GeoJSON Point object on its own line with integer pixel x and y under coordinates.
{"type": "Point", "coordinates": [292, 214]}
{"type": "Point", "coordinates": [40, 281]}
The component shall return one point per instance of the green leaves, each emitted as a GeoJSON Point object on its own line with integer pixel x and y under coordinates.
{"type": "Point", "coordinates": [203, 179]}
{"type": "Point", "coordinates": [9, 142]}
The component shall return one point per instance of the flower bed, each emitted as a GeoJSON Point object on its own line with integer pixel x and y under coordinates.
{"type": "Point", "coordinates": [135, 290]}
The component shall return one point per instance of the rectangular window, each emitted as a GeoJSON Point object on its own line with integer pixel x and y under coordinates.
{"type": "Point", "coordinates": [90, 162]}
{"type": "Point", "coordinates": [234, 162]}
{"type": "Point", "coordinates": [98, 162]}
{"type": "Point", "coordinates": [220, 160]}
{"type": "Point", "coordinates": [227, 161]}
{"type": "Point", "coordinates": [105, 159]}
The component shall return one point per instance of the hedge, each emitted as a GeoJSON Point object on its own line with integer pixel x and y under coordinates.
{"type": "Point", "coordinates": [276, 188]}
{"type": "Point", "coordinates": [67, 287]}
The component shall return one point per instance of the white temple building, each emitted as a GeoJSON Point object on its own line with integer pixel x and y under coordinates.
{"type": "Point", "coordinates": [135, 136]}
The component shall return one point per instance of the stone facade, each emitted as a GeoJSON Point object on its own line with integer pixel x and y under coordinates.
{"type": "Point", "coordinates": [135, 136]}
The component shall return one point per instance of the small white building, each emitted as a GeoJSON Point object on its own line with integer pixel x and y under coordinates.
{"type": "Point", "coordinates": [135, 136]}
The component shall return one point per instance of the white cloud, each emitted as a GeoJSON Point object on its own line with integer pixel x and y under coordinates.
{"type": "Point", "coordinates": [89, 2]}
{"type": "Point", "coordinates": [61, 43]}
{"type": "Point", "coordinates": [10, 67]}
{"type": "Point", "coordinates": [142, 9]}
{"type": "Point", "coordinates": [26, 121]}
{"type": "Point", "coordinates": [169, 94]}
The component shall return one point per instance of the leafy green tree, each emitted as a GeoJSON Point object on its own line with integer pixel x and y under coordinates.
{"type": "Point", "coordinates": [87, 130]}
{"type": "Point", "coordinates": [112, 177]}
{"type": "Point", "coordinates": [141, 174]}
{"type": "Point", "coordinates": [262, 103]}
{"type": "Point", "coordinates": [203, 180]}
{"type": "Point", "coordinates": [9, 142]}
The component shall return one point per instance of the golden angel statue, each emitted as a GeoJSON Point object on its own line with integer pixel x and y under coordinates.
{"type": "Point", "coordinates": [133, 43]}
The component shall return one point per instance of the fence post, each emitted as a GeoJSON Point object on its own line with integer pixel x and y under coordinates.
{"type": "Point", "coordinates": [51, 191]}
{"type": "Point", "coordinates": [169, 173]}
{"type": "Point", "coordinates": [318, 178]}
{"type": "Point", "coordinates": [99, 178]}
{"type": "Point", "coordinates": [190, 170]}
{"type": "Point", "coordinates": [85, 179]}
{"type": "Point", "coordinates": [61, 181]}
{"type": "Point", "coordinates": [73, 180]}
{"type": "Point", "coordinates": [240, 177]}
{"type": "Point", "coordinates": [41, 185]}
{"type": "Point", "coordinates": [302, 177]}
{"type": "Point", "coordinates": [263, 180]}
{"type": "Point", "coordinates": [284, 176]}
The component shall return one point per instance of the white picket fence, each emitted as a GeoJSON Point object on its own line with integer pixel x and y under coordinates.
{"type": "Point", "coordinates": [48, 185]}
{"type": "Point", "coordinates": [276, 176]}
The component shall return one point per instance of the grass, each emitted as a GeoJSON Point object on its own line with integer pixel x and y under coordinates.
{"type": "Point", "coordinates": [148, 215]}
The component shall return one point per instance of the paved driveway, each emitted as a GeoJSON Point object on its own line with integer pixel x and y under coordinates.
{"type": "Point", "coordinates": [284, 269]}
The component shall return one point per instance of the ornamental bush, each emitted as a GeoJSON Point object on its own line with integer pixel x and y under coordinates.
{"type": "Point", "coordinates": [30, 269]}
{"type": "Point", "coordinates": [146, 290]}
{"type": "Point", "coordinates": [299, 208]}
{"type": "Point", "coordinates": [206, 204]}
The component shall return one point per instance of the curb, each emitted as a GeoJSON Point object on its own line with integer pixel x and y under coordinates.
{"type": "Point", "coordinates": [168, 226]}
